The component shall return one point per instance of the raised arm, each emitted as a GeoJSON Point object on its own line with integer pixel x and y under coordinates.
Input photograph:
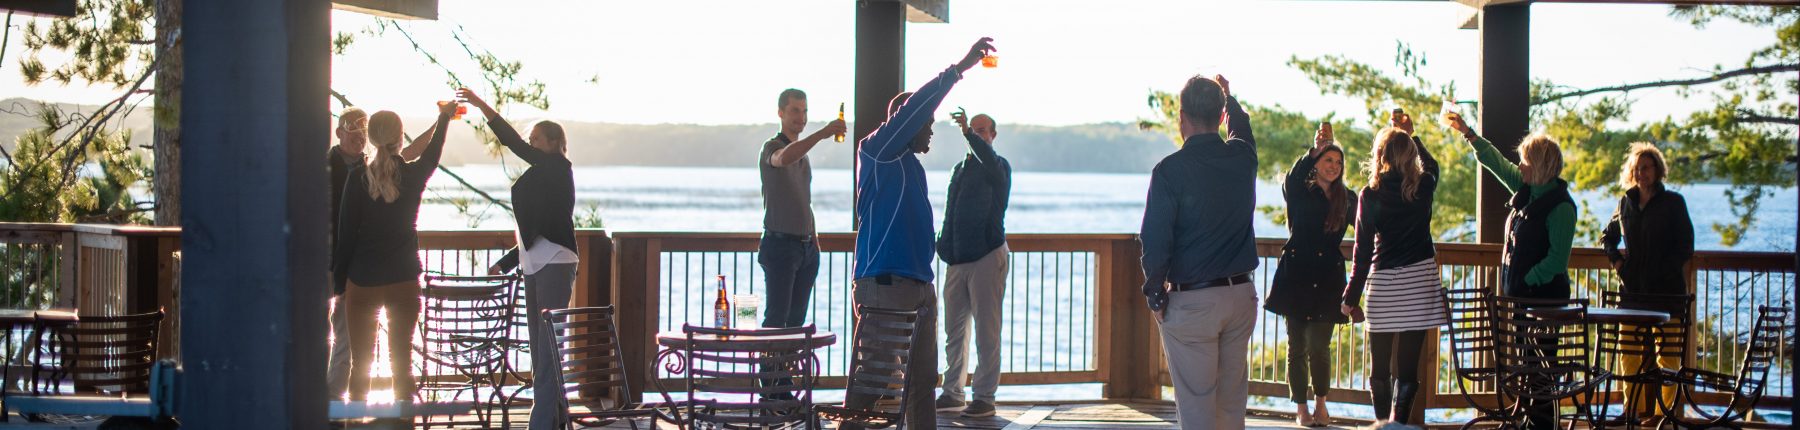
{"type": "Point", "coordinates": [1491, 159]}
{"type": "Point", "coordinates": [504, 131]}
{"type": "Point", "coordinates": [794, 151]}
{"type": "Point", "coordinates": [893, 138]}
{"type": "Point", "coordinates": [434, 151]}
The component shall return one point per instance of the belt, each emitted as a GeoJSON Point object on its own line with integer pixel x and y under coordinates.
{"type": "Point", "coordinates": [802, 238]}
{"type": "Point", "coordinates": [1241, 278]}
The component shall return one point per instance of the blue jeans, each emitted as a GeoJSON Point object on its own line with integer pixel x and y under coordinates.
{"type": "Point", "coordinates": [790, 267]}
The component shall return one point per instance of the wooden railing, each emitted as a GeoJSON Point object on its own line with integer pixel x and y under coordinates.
{"type": "Point", "coordinates": [1074, 312]}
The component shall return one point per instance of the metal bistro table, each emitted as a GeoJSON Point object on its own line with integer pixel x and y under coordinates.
{"type": "Point", "coordinates": [11, 321]}
{"type": "Point", "coordinates": [675, 342]}
{"type": "Point", "coordinates": [1645, 321]}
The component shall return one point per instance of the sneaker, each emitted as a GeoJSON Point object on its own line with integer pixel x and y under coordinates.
{"type": "Point", "coordinates": [950, 404]}
{"type": "Point", "coordinates": [981, 408]}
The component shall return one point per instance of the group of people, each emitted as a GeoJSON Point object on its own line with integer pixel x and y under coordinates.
{"type": "Point", "coordinates": [375, 248]}
{"type": "Point", "coordinates": [1197, 237]}
{"type": "Point", "coordinates": [1199, 253]}
{"type": "Point", "coordinates": [896, 243]}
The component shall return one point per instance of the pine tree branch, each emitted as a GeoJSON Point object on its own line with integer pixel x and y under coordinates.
{"type": "Point", "coordinates": [1747, 116]}
{"type": "Point", "coordinates": [1774, 68]}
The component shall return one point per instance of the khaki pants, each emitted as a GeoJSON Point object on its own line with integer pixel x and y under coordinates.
{"type": "Point", "coordinates": [903, 293]}
{"type": "Point", "coordinates": [1206, 342]}
{"type": "Point", "coordinates": [1628, 365]}
{"type": "Point", "coordinates": [402, 302]}
{"type": "Point", "coordinates": [974, 290]}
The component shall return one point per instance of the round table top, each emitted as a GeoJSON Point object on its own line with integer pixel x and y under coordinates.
{"type": "Point", "coordinates": [22, 316]}
{"type": "Point", "coordinates": [677, 339]}
{"type": "Point", "coordinates": [1603, 315]}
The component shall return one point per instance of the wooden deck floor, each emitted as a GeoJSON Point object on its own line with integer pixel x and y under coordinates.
{"type": "Point", "coordinates": [1082, 416]}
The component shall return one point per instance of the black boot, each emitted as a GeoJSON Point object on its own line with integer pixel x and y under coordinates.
{"type": "Point", "coordinates": [1382, 390]}
{"type": "Point", "coordinates": [1404, 394]}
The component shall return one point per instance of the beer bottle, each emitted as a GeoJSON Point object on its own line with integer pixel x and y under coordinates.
{"type": "Point", "coordinates": [722, 307]}
{"type": "Point", "coordinates": [840, 136]}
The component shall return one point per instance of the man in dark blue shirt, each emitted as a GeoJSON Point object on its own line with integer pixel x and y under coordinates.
{"type": "Point", "coordinates": [894, 239]}
{"type": "Point", "coordinates": [1199, 249]}
{"type": "Point", "coordinates": [973, 246]}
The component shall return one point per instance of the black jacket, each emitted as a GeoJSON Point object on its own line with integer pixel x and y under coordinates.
{"type": "Point", "coordinates": [1404, 227]}
{"type": "Point", "coordinates": [338, 167]}
{"type": "Point", "coordinates": [377, 241]}
{"type": "Point", "coordinates": [1311, 272]}
{"type": "Point", "coordinates": [1659, 239]}
{"type": "Point", "coordinates": [543, 197]}
{"type": "Point", "coordinates": [975, 207]}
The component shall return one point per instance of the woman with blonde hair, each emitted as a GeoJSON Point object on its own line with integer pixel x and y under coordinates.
{"type": "Point", "coordinates": [1311, 271]}
{"type": "Point", "coordinates": [1406, 298]}
{"type": "Point", "coordinates": [1659, 235]}
{"type": "Point", "coordinates": [376, 256]}
{"type": "Point", "coordinates": [1540, 227]}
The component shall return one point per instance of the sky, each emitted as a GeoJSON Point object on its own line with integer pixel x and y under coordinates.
{"type": "Point", "coordinates": [1061, 62]}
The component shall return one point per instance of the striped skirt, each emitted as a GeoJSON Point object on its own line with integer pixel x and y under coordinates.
{"type": "Point", "coordinates": [1406, 298]}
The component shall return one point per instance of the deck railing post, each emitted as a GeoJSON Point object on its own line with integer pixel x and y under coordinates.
{"type": "Point", "coordinates": [1131, 349]}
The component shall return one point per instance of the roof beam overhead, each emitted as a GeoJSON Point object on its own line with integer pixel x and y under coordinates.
{"type": "Point", "coordinates": [396, 9]}
{"type": "Point", "coordinates": [48, 8]}
{"type": "Point", "coordinates": [928, 11]}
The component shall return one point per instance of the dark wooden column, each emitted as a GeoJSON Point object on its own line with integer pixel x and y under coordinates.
{"type": "Point", "coordinates": [880, 65]}
{"type": "Point", "coordinates": [1505, 104]}
{"type": "Point", "coordinates": [255, 127]}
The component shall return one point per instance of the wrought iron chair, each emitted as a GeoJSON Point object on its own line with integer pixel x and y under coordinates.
{"type": "Point", "coordinates": [884, 339]}
{"type": "Point", "coordinates": [1543, 356]}
{"type": "Point", "coordinates": [595, 390]}
{"type": "Point", "coordinates": [1614, 342]}
{"type": "Point", "coordinates": [1472, 344]}
{"type": "Point", "coordinates": [463, 327]}
{"type": "Point", "coordinates": [724, 379]}
{"type": "Point", "coordinates": [102, 363]}
{"type": "Point", "coordinates": [1766, 340]}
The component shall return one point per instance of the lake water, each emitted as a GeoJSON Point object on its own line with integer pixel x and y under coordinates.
{"type": "Point", "coordinates": [730, 199]}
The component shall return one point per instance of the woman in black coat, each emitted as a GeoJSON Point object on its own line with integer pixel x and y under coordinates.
{"type": "Point", "coordinates": [544, 207]}
{"type": "Point", "coordinates": [1311, 273]}
{"type": "Point", "coordinates": [1659, 238]}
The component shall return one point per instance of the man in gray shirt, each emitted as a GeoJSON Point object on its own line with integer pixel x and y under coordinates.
{"type": "Point", "coordinates": [789, 252]}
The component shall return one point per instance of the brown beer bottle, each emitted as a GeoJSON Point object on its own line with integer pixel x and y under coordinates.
{"type": "Point", "coordinates": [840, 136]}
{"type": "Point", "coordinates": [722, 307]}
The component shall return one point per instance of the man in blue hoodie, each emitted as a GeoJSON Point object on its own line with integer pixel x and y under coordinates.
{"type": "Point", "coordinates": [895, 239]}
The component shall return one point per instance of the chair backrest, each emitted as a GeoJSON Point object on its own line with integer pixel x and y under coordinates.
{"type": "Point", "coordinates": [105, 353]}
{"type": "Point", "coordinates": [465, 320]}
{"type": "Point", "coordinates": [1767, 337]}
{"type": "Point", "coordinates": [587, 346]}
{"type": "Point", "coordinates": [884, 342]}
{"type": "Point", "coordinates": [1672, 336]}
{"type": "Point", "coordinates": [1471, 327]}
{"type": "Point", "coordinates": [726, 380]}
{"type": "Point", "coordinates": [1550, 343]}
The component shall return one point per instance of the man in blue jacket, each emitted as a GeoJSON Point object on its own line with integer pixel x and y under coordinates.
{"type": "Point", "coordinates": [895, 239]}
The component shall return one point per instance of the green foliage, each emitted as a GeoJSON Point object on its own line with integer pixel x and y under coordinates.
{"type": "Point", "coordinates": [43, 179]}
{"type": "Point", "coordinates": [109, 41]}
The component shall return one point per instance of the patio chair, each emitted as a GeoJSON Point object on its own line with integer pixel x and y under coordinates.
{"type": "Point", "coordinates": [1472, 343]}
{"type": "Point", "coordinates": [102, 365]}
{"type": "Point", "coordinates": [595, 389]}
{"type": "Point", "coordinates": [1613, 343]}
{"type": "Point", "coordinates": [463, 327]}
{"type": "Point", "coordinates": [1765, 341]}
{"type": "Point", "coordinates": [884, 339]}
{"type": "Point", "coordinates": [1542, 359]}
{"type": "Point", "coordinates": [724, 381]}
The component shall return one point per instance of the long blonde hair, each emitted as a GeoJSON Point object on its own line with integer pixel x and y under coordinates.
{"type": "Point", "coordinates": [384, 165]}
{"type": "Point", "coordinates": [1642, 152]}
{"type": "Point", "coordinates": [1394, 152]}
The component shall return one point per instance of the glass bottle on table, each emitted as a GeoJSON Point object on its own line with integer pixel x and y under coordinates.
{"type": "Point", "coordinates": [722, 307]}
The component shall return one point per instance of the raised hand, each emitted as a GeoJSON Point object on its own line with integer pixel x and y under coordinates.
{"type": "Point", "coordinates": [980, 49]}
{"type": "Point", "coordinates": [1402, 121]}
{"type": "Point", "coordinates": [833, 128]}
{"type": "Point", "coordinates": [469, 96]}
{"type": "Point", "coordinates": [447, 108]}
{"type": "Point", "coordinates": [962, 119]}
{"type": "Point", "coordinates": [1224, 85]}
{"type": "Point", "coordinates": [1322, 138]}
